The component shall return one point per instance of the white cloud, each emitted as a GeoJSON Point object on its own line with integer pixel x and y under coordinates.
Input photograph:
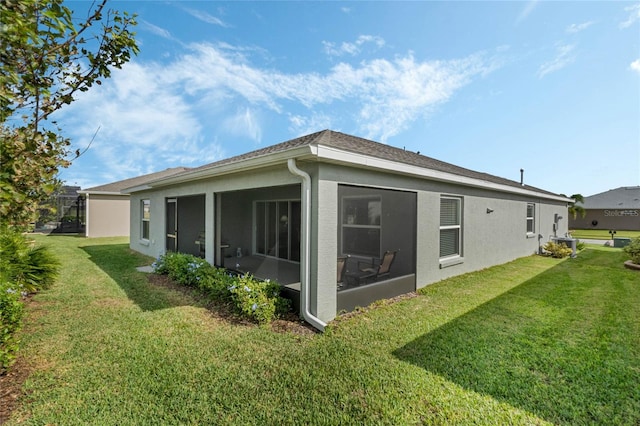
{"type": "Point", "coordinates": [635, 66]}
{"type": "Point", "coordinates": [244, 123]}
{"type": "Point", "coordinates": [206, 17]}
{"type": "Point", "coordinates": [526, 11]}
{"type": "Point", "coordinates": [563, 58]}
{"type": "Point", "coordinates": [352, 49]}
{"type": "Point", "coordinates": [576, 28]}
{"type": "Point", "coordinates": [153, 116]}
{"type": "Point", "coordinates": [402, 88]}
{"type": "Point", "coordinates": [156, 30]}
{"type": "Point", "coordinates": [144, 125]}
{"type": "Point", "coordinates": [300, 125]}
{"type": "Point", "coordinates": [634, 15]}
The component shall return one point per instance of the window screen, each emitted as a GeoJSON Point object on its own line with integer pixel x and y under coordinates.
{"type": "Point", "coordinates": [146, 217]}
{"type": "Point", "coordinates": [531, 214]}
{"type": "Point", "coordinates": [450, 226]}
{"type": "Point", "coordinates": [361, 225]}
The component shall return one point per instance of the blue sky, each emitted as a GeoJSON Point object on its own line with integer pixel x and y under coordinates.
{"type": "Point", "coordinates": [549, 87]}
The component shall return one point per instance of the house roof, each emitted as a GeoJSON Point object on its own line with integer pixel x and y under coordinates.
{"type": "Point", "coordinates": [114, 188]}
{"type": "Point", "coordinates": [625, 197]}
{"type": "Point", "coordinates": [332, 146]}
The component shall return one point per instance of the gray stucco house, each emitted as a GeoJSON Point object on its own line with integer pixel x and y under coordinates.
{"type": "Point", "coordinates": [616, 209]}
{"type": "Point", "coordinates": [342, 221]}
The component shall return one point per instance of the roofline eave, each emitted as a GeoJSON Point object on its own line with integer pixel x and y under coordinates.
{"type": "Point", "coordinates": [335, 155]}
{"type": "Point", "coordinates": [89, 192]}
{"type": "Point", "coordinates": [272, 159]}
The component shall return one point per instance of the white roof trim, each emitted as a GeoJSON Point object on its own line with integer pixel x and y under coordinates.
{"type": "Point", "coordinates": [270, 159]}
{"type": "Point", "coordinates": [336, 155]}
{"type": "Point", "coordinates": [347, 157]}
{"type": "Point", "coordinates": [87, 192]}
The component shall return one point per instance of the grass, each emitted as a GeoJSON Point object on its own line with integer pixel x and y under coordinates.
{"type": "Point", "coordinates": [534, 341]}
{"type": "Point", "coordinates": [602, 234]}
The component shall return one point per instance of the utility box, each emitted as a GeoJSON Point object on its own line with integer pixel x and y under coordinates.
{"type": "Point", "coordinates": [569, 242]}
{"type": "Point", "coordinates": [621, 242]}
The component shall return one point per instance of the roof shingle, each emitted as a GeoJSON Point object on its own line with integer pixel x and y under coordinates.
{"type": "Point", "coordinates": [139, 180]}
{"type": "Point", "coordinates": [359, 145]}
{"type": "Point", "coordinates": [625, 197]}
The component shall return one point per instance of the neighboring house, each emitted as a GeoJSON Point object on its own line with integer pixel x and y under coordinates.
{"type": "Point", "coordinates": [342, 221]}
{"type": "Point", "coordinates": [107, 208]}
{"type": "Point", "coordinates": [63, 212]}
{"type": "Point", "coordinates": [616, 209]}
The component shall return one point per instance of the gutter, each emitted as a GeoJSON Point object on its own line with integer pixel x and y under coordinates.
{"type": "Point", "coordinates": [306, 252]}
{"type": "Point", "coordinates": [87, 192]}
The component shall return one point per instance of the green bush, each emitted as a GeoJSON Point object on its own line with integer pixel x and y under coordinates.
{"type": "Point", "coordinates": [31, 268]}
{"type": "Point", "coordinates": [11, 312]}
{"type": "Point", "coordinates": [257, 300]}
{"type": "Point", "coordinates": [557, 250]}
{"type": "Point", "coordinates": [254, 299]}
{"type": "Point", "coordinates": [24, 268]}
{"type": "Point", "coordinates": [633, 250]}
{"type": "Point", "coordinates": [216, 283]}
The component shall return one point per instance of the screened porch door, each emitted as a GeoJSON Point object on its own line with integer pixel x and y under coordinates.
{"type": "Point", "coordinates": [172, 225]}
{"type": "Point", "coordinates": [278, 229]}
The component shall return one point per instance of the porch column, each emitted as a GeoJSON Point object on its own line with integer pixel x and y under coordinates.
{"type": "Point", "coordinates": [209, 227]}
{"type": "Point", "coordinates": [324, 249]}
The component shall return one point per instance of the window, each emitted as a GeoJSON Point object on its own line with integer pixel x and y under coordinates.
{"type": "Point", "coordinates": [531, 218]}
{"type": "Point", "coordinates": [146, 216]}
{"type": "Point", "coordinates": [278, 229]}
{"type": "Point", "coordinates": [450, 226]}
{"type": "Point", "coordinates": [361, 225]}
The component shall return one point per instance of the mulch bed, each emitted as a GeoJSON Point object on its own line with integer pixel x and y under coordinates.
{"type": "Point", "coordinates": [289, 323]}
{"type": "Point", "coordinates": [11, 387]}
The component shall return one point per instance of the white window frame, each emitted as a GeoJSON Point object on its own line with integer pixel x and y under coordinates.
{"type": "Point", "coordinates": [145, 202]}
{"type": "Point", "coordinates": [457, 257]}
{"type": "Point", "coordinates": [531, 220]}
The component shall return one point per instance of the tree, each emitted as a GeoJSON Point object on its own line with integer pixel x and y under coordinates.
{"type": "Point", "coordinates": [45, 60]}
{"type": "Point", "coordinates": [575, 209]}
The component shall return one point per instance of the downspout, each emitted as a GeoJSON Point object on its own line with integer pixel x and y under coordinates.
{"type": "Point", "coordinates": [306, 252]}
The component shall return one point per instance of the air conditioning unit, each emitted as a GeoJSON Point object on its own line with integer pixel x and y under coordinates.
{"type": "Point", "coordinates": [569, 242]}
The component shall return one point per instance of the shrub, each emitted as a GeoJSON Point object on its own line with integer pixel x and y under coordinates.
{"type": "Point", "coordinates": [30, 268]}
{"type": "Point", "coordinates": [11, 312]}
{"type": "Point", "coordinates": [254, 299]}
{"type": "Point", "coordinates": [216, 284]}
{"type": "Point", "coordinates": [557, 250]}
{"type": "Point", "coordinates": [633, 250]}
{"type": "Point", "coordinates": [24, 268]}
{"type": "Point", "coordinates": [257, 300]}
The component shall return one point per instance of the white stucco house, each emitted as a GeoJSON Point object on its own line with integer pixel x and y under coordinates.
{"type": "Point", "coordinates": [107, 208]}
{"type": "Point", "coordinates": [342, 221]}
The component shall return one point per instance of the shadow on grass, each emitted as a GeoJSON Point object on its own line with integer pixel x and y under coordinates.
{"type": "Point", "coordinates": [120, 263]}
{"type": "Point", "coordinates": [563, 345]}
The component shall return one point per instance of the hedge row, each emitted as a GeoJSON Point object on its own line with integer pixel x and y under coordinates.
{"type": "Point", "coordinates": [257, 300]}
{"type": "Point", "coordinates": [24, 269]}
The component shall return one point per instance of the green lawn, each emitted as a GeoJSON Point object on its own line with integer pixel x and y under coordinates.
{"type": "Point", "coordinates": [535, 341]}
{"type": "Point", "coordinates": [602, 234]}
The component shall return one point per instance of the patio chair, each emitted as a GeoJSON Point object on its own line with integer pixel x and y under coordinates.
{"type": "Point", "coordinates": [376, 270]}
{"type": "Point", "coordinates": [342, 269]}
